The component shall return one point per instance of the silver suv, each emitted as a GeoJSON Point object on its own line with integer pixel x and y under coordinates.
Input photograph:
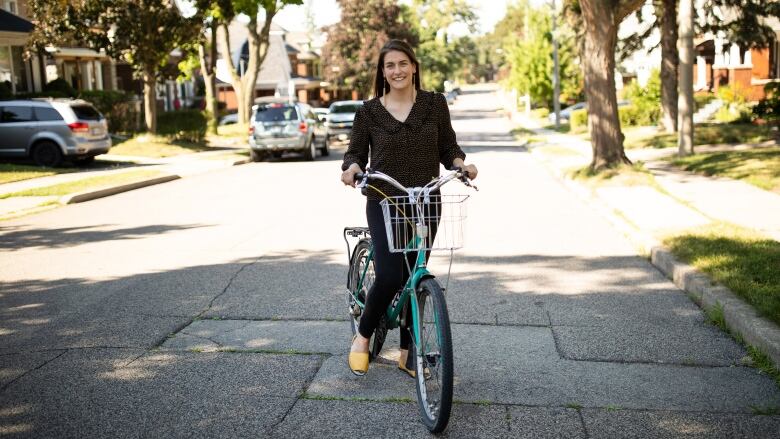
{"type": "Point", "coordinates": [277, 126]}
{"type": "Point", "coordinates": [341, 115]}
{"type": "Point", "coordinates": [52, 130]}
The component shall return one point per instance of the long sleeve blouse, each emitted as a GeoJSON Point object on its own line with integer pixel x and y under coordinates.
{"type": "Point", "coordinates": [409, 151]}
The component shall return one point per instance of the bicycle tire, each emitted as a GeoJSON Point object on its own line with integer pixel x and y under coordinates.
{"type": "Point", "coordinates": [433, 358]}
{"type": "Point", "coordinates": [357, 265]}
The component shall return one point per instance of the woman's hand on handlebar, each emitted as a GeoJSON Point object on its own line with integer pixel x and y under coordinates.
{"type": "Point", "coordinates": [348, 176]}
{"type": "Point", "coordinates": [470, 170]}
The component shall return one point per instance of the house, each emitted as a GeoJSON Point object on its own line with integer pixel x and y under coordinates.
{"type": "Point", "coordinates": [719, 63]}
{"type": "Point", "coordinates": [290, 69]}
{"type": "Point", "coordinates": [18, 75]}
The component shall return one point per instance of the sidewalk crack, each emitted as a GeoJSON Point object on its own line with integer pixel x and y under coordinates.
{"type": "Point", "coordinates": [224, 290]}
{"type": "Point", "coordinates": [6, 385]}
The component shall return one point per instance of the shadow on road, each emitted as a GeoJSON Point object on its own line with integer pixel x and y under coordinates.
{"type": "Point", "coordinates": [18, 237]}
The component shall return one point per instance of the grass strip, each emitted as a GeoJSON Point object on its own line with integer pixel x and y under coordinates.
{"type": "Point", "coordinates": [10, 172]}
{"type": "Point", "coordinates": [744, 261]}
{"type": "Point", "coordinates": [621, 175]}
{"type": "Point", "coordinates": [759, 167]}
{"type": "Point", "coordinates": [84, 184]}
{"type": "Point", "coordinates": [704, 134]}
{"type": "Point", "coordinates": [155, 146]}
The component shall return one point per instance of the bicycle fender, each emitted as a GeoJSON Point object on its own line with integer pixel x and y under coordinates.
{"type": "Point", "coordinates": [419, 275]}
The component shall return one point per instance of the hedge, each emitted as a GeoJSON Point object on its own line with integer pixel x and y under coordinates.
{"type": "Point", "coordinates": [188, 125]}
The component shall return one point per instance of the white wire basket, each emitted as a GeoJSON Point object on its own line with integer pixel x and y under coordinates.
{"type": "Point", "coordinates": [432, 223]}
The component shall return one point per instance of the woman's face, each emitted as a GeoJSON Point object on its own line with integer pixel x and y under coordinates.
{"type": "Point", "coordinates": [398, 70]}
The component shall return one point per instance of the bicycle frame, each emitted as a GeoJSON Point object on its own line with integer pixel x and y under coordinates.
{"type": "Point", "coordinates": [418, 273]}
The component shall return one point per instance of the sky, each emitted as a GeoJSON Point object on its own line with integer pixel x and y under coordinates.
{"type": "Point", "coordinates": [327, 12]}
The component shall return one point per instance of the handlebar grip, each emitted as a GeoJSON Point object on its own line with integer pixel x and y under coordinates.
{"type": "Point", "coordinates": [359, 176]}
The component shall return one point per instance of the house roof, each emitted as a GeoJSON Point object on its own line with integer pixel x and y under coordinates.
{"type": "Point", "coordinates": [12, 23]}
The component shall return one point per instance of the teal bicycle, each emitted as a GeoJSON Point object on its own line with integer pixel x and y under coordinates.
{"type": "Point", "coordinates": [416, 223]}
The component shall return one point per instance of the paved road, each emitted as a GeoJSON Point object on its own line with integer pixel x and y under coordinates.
{"type": "Point", "coordinates": [212, 306]}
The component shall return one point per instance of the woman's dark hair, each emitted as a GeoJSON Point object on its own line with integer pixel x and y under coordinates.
{"type": "Point", "coordinates": [380, 87]}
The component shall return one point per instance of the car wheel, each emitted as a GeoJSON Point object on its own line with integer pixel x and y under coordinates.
{"type": "Point", "coordinates": [311, 150]}
{"type": "Point", "coordinates": [256, 156]}
{"type": "Point", "coordinates": [47, 154]}
{"type": "Point", "coordinates": [84, 161]}
{"type": "Point", "coordinates": [325, 150]}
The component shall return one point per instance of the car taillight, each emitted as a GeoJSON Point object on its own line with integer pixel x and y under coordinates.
{"type": "Point", "coordinates": [251, 129]}
{"type": "Point", "coordinates": [302, 127]}
{"type": "Point", "coordinates": [79, 127]}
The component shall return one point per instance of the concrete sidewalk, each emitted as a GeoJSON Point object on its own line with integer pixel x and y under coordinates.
{"type": "Point", "coordinates": [170, 168]}
{"type": "Point", "coordinates": [680, 201]}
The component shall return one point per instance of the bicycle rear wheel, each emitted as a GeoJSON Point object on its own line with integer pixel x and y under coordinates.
{"type": "Point", "coordinates": [433, 357]}
{"type": "Point", "coordinates": [360, 261]}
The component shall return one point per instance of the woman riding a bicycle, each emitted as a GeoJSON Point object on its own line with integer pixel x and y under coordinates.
{"type": "Point", "coordinates": [405, 132]}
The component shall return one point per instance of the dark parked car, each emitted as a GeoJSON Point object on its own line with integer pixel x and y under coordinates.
{"type": "Point", "coordinates": [341, 115]}
{"type": "Point", "coordinates": [52, 130]}
{"type": "Point", "coordinates": [278, 126]}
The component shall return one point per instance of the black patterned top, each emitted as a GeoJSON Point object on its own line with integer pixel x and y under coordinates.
{"type": "Point", "coordinates": [408, 151]}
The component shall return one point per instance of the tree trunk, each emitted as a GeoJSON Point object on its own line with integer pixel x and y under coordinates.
{"type": "Point", "coordinates": [235, 76]}
{"type": "Point", "coordinates": [601, 23]}
{"type": "Point", "coordinates": [207, 70]}
{"type": "Point", "coordinates": [150, 101]}
{"type": "Point", "coordinates": [667, 11]}
{"type": "Point", "coordinates": [685, 101]}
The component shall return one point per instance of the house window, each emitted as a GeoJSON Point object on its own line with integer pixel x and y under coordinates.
{"type": "Point", "coordinates": [10, 6]}
{"type": "Point", "coordinates": [774, 65]}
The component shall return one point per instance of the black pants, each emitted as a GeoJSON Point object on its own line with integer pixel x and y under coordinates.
{"type": "Point", "coordinates": [391, 274]}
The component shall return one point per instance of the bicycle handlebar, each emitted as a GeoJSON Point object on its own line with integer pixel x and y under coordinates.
{"type": "Point", "coordinates": [434, 184]}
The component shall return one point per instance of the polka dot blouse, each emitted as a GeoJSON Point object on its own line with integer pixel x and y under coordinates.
{"type": "Point", "coordinates": [409, 151]}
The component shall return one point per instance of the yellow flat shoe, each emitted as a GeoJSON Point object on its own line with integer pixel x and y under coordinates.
{"type": "Point", "coordinates": [358, 362]}
{"type": "Point", "coordinates": [402, 366]}
{"type": "Point", "coordinates": [409, 372]}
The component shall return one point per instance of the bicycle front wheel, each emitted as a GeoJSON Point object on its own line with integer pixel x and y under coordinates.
{"type": "Point", "coordinates": [433, 357]}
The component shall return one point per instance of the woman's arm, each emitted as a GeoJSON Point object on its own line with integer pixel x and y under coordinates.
{"type": "Point", "coordinates": [450, 153]}
{"type": "Point", "coordinates": [356, 157]}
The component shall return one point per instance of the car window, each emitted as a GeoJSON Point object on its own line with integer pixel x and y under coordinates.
{"type": "Point", "coordinates": [276, 113]}
{"type": "Point", "coordinates": [345, 108]}
{"type": "Point", "coordinates": [86, 112]}
{"type": "Point", "coordinates": [14, 113]}
{"type": "Point", "coordinates": [47, 114]}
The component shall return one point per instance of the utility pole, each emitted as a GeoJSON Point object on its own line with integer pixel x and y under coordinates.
{"type": "Point", "coordinates": [556, 71]}
{"type": "Point", "coordinates": [685, 99]}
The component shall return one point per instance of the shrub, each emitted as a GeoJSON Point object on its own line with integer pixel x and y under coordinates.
{"type": "Point", "coordinates": [578, 120]}
{"type": "Point", "coordinates": [118, 107]}
{"type": "Point", "coordinates": [540, 113]}
{"type": "Point", "coordinates": [59, 88]}
{"type": "Point", "coordinates": [769, 107]}
{"type": "Point", "coordinates": [645, 108]}
{"type": "Point", "coordinates": [188, 125]}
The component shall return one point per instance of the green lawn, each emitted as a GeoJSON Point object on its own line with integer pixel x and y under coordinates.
{"type": "Point", "coordinates": [11, 172]}
{"type": "Point", "coordinates": [703, 134]}
{"type": "Point", "coordinates": [84, 184]}
{"type": "Point", "coordinates": [155, 146]}
{"type": "Point", "coordinates": [744, 261]}
{"type": "Point", "coordinates": [759, 167]}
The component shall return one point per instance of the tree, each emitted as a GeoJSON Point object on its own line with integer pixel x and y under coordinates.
{"type": "Point", "coordinates": [432, 21]}
{"type": "Point", "coordinates": [258, 43]}
{"type": "Point", "coordinates": [204, 52]}
{"type": "Point", "coordinates": [601, 19]}
{"type": "Point", "coordinates": [141, 32]}
{"type": "Point", "coordinates": [353, 45]}
{"type": "Point", "coordinates": [531, 62]}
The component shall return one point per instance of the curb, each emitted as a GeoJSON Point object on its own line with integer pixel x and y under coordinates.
{"type": "Point", "coordinates": [80, 197]}
{"type": "Point", "coordinates": [740, 317]}
{"type": "Point", "coordinates": [742, 320]}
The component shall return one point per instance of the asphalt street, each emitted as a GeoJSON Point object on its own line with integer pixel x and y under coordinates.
{"type": "Point", "coordinates": [213, 306]}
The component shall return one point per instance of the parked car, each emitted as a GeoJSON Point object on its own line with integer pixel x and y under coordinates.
{"type": "Point", "coordinates": [450, 97]}
{"type": "Point", "coordinates": [341, 115]}
{"type": "Point", "coordinates": [320, 132]}
{"type": "Point", "coordinates": [566, 112]}
{"type": "Point", "coordinates": [53, 130]}
{"type": "Point", "coordinates": [279, 126]}
{"type": "Point", "coordinates": [229, 119]}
